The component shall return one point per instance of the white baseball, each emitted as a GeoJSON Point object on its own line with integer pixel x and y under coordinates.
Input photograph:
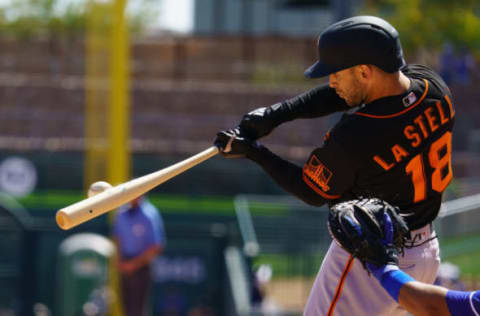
{"type": "Point", "coordinates": [98, 187]}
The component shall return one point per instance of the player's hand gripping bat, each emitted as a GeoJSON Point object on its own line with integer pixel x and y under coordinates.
{"type": "Point", "coordinates": [116, 196]}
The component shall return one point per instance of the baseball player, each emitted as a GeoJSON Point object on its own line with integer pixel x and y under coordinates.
{"type": "Point", "coordinates": [425, 299]}
{"type": "Point", "coordinates": [392, 142]}
{"type": "Point", "coordinates": [371, 230]}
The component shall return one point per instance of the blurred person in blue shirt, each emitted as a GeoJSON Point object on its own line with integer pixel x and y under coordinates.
{"type": "Point", "coordinates": [139, 235]}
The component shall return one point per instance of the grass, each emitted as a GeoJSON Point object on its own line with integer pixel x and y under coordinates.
{"type": "Point", "coordinates": [168, 203]}
{"type": "Point", "coordinates": [50, 199]}
{"type": "Point", "coordinates": [468, 263]}
{"type": "Point", "coordinates": [456, 246]}
{"type": "Point", "coordinates": [463, 251]}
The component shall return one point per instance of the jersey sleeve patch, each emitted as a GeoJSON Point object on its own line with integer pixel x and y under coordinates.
{"type": "Point", "coordinates": [317, 176]}
{"type": "Point", "coordinates": [329, 171]}
{"type": "Point", "coordinates": [317, 173]}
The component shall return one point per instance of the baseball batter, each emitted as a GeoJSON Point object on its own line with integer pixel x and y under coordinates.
{"type": "Point", "coordinates": [393, 143]}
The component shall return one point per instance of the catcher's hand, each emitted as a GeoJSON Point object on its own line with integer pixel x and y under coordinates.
{"type": "Point", "coordinates": [233, 144]}
{"type": "Point", "coordinates": [369, 229]}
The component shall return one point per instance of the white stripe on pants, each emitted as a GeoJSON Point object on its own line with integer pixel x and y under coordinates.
{"type": "Point", "coordinates": [361, 294]}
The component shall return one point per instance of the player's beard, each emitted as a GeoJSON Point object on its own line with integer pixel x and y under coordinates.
{"type": "Point", "coordinates": [356, 95]}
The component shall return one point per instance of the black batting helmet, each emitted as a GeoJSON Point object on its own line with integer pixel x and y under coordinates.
{"type": "Point", "coordinates": [355, 41]}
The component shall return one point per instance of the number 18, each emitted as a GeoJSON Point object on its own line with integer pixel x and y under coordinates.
{"type": "Point", "coordinates": [438, 162]}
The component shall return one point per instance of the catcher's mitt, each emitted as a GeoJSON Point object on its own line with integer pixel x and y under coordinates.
{"type": "Point", "coordinates": [369, 229]}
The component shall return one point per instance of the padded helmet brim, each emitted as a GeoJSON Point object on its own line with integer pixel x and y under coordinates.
{"type": "Point", "coordinates": [319, 69]}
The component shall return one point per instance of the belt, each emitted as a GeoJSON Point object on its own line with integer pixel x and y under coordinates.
{"type": "Point", "coordinates": [420, 236]}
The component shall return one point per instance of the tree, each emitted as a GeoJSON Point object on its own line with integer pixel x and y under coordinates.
{"type": "Point", "coordinates": [53, 18]}
{"type": "Point", "coordinates": [429, 24]}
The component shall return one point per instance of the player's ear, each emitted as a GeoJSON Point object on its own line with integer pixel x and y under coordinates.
{"type": "Point", "coordinates": [365, 71]}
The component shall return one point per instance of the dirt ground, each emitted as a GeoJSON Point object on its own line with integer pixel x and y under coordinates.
{"type": "Point", "coordinates": [289, 294]}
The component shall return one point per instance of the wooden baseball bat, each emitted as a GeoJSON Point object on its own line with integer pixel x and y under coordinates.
{"type": "Point", "coordinates": [116, 196]}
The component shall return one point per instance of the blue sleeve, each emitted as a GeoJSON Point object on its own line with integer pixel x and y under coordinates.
{"type": "Point", "coordinates": [391, 278]}
{"type": "Point", "coordinates": [463, 303]}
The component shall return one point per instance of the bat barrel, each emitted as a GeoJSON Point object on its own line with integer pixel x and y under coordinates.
{"type": "Point", "coordinates": [62, 220]}
{"type": "Point", "coordinates": [101, 203]}
{"type": "Point", "coordinates": [87, 209]}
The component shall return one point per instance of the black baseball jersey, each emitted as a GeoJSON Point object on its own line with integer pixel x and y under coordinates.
{"type": "Point", "coordinates": [396, 148]}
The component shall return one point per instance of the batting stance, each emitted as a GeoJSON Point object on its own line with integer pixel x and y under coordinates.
{"type": "Point", "coordinates": [372, 232]}
{"type": "Point", "coordinates": [394, 143]}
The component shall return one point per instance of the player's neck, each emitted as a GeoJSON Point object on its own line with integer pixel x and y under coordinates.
{"type": "Point", "coordinates": [388, 85]}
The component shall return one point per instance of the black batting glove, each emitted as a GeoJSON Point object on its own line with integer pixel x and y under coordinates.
{"type": "Point", "coordinates": [232, 144]}
{"type": "Point", "coordinates": [257, 123]}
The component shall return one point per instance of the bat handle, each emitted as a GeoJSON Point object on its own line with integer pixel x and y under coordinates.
{"type": "Point", "coordinates": [209, 152]}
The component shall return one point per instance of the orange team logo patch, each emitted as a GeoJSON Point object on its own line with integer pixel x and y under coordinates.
{"type": "Point", "coordinates": [318, 173]}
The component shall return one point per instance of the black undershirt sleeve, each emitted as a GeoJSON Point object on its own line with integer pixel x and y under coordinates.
{"type": "Point", "coordinates": [317, 102]}
{"type": "Point", "coordinates": [285, 174]}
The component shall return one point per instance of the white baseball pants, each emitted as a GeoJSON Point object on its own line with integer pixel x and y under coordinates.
{"type": "Point", "coordinates": [343, 288]}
